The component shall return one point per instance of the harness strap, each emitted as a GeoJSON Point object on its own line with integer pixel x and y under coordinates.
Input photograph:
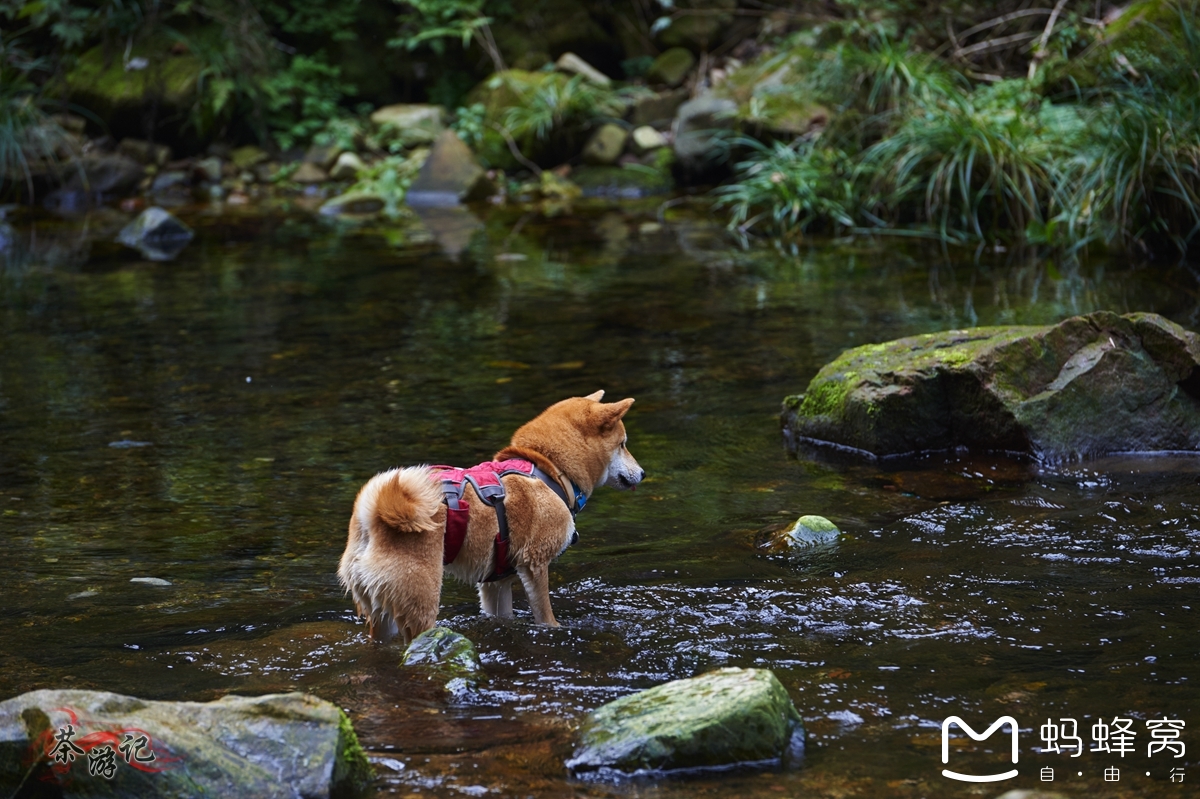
{"type": "Point", "coordinates": [485, 479]}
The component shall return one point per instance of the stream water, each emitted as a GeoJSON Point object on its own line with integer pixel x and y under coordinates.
{"type": "Point", "coordinates": [208, 421]}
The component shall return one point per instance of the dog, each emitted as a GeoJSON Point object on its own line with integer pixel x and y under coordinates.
{"type": "Point", "coordinates": [400, 541]}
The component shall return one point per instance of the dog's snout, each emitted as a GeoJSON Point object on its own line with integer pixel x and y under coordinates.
{"type": "Point", "coordinates": [641, 475]}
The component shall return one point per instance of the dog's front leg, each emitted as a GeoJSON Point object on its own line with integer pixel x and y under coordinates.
{"type": "Point", "coordinates": [536, 579]}
{"type": "Point", "coordinates": [495, 599]}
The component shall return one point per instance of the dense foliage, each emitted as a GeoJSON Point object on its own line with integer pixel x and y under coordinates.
{"type": "Point", "coordinates": [967, 122]}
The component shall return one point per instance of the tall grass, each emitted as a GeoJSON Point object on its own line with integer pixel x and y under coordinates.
{"type": "Point", "coordinates": [926, 153]}
{"type": "Point", "coordinates": [1139, 176]}
{"type": "Point", "coordinates": [30, 140]}
{"type": "Point", "coordinates": [975, 165]}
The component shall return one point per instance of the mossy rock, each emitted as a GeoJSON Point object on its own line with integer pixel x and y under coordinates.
{"type": "Point", "coordinates": [811, 531]}
{"type": "Point", "coordinates": [671, 67]}
{"type": "Point", "coordinates": [117, 96]}
{"type": "Point", "coordinates": [447, 656]}
{"type": "Point", "coordinates": [279, 745]}
{"type": "Point", "coordinates": [1088, 386]}
{"type": "Point", "coordinates": [770, 96]}
{"type": "Point", "coordinates": [627, 182]}
{"type": "Point", "coordinates": [723, 718]}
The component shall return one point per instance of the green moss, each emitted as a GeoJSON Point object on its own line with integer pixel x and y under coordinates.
{"type": "Point", "coordinates": [104, 86]}
{"type": "Point", "coordinates": [352, 772]}
{"type": "Point", "coordinates": [826, 396]}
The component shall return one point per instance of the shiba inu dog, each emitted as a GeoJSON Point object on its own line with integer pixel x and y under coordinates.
{"type": "Point", "coordinates": [490, 525]}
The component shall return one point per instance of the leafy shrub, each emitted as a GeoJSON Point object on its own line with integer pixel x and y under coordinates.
{"type": "Point", "coordinates": [785, 189]}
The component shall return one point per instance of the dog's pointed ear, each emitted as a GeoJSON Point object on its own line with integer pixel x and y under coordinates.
{"type": "Point", "coordinates": [597, 396]}
{"type": "Point", "coordinates": [614, 411]}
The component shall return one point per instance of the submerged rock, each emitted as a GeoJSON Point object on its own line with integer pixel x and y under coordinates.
{"type": "Point", "coordinates": [157, 234]}
{"type": "Point", "coordinates": [448, 656]}
{"type": "Point", "coordinates": [279, 745]}
{"type": "Point", "coordinates": [1088, 386]}
{"type": "Point", "coordinates": [718, 719]}
{"type": "Point", "coordinates": [811, 531]}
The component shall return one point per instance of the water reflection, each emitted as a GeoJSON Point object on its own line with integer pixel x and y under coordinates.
{"type": "Point", "coordinates": [282, 360]}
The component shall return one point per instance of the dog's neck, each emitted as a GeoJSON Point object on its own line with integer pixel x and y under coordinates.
{"type": "Point", "coordinates": [570, 483]}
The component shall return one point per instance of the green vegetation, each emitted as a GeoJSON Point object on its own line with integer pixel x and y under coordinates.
{"type": "Point", "coordinates": [917, 146]}
{"type": "Point", "coordinates": [999, 123]}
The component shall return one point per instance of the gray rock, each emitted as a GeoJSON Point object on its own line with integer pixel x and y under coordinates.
{"type": "Point", "coordinates": [699, 132]}
{"type": "Point", "coordinates": [164, 181]}
{"type": "Point", "coordinates": [104, 174]}
{"type": "Point", "coordinates": [657, 110]}
{"type": "Point", "coordinates": [671, 67]}
{"type": "Point", "coordinates": [450, 175]}
{"type": "Point", "coordinates": [1088, 386]}
{"type": "Point", "coordinates": [347, 167]}
{"type": "Point", "coordinates": [411, 124]}
{"type": "Point", "coordinates": [280, 745]}
{"type": "Point", "coordinates": [209, 169]}
{"type": "Point", "coordinates": [574, 65]}
{"type": "Point", "coordinates": [605, 145]}
{"type": "Point", "coordinates": [716, 720]}
{"type": "Point", "coordinates": [157, 234]}
{"type": "Point", "coordinates": [322, 155]}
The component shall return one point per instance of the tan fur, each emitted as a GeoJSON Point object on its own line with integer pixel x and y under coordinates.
{"type": "Point", "coordinates": [392, 565]}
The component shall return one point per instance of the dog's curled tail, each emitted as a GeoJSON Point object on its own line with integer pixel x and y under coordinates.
{"type": "Point", "coordinates": [405, 500]}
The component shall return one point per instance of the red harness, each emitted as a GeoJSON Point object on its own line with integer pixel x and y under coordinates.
{"type": "Point", "coordinates": [485, 479]}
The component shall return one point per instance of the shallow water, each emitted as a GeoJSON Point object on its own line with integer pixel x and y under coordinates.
{"type": "Point", "coordinates": [208, 421]}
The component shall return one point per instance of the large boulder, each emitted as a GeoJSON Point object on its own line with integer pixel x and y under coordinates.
{"type": "Point", "coordinates": [1090, 385]}
{"type": "Point", "coordinates": [153, 84]}
{"type": "Point", "coordinates": [770, 94]}
{"type": "Point", "coordinates": [279, 745]}
{"type": "Point", "coordinates": [719, 719]}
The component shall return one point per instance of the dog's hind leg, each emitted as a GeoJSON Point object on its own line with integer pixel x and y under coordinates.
{"type": "Point", "coordinates": [495, 599]}
{"type": "Point", "coordinates": [536, 579]}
